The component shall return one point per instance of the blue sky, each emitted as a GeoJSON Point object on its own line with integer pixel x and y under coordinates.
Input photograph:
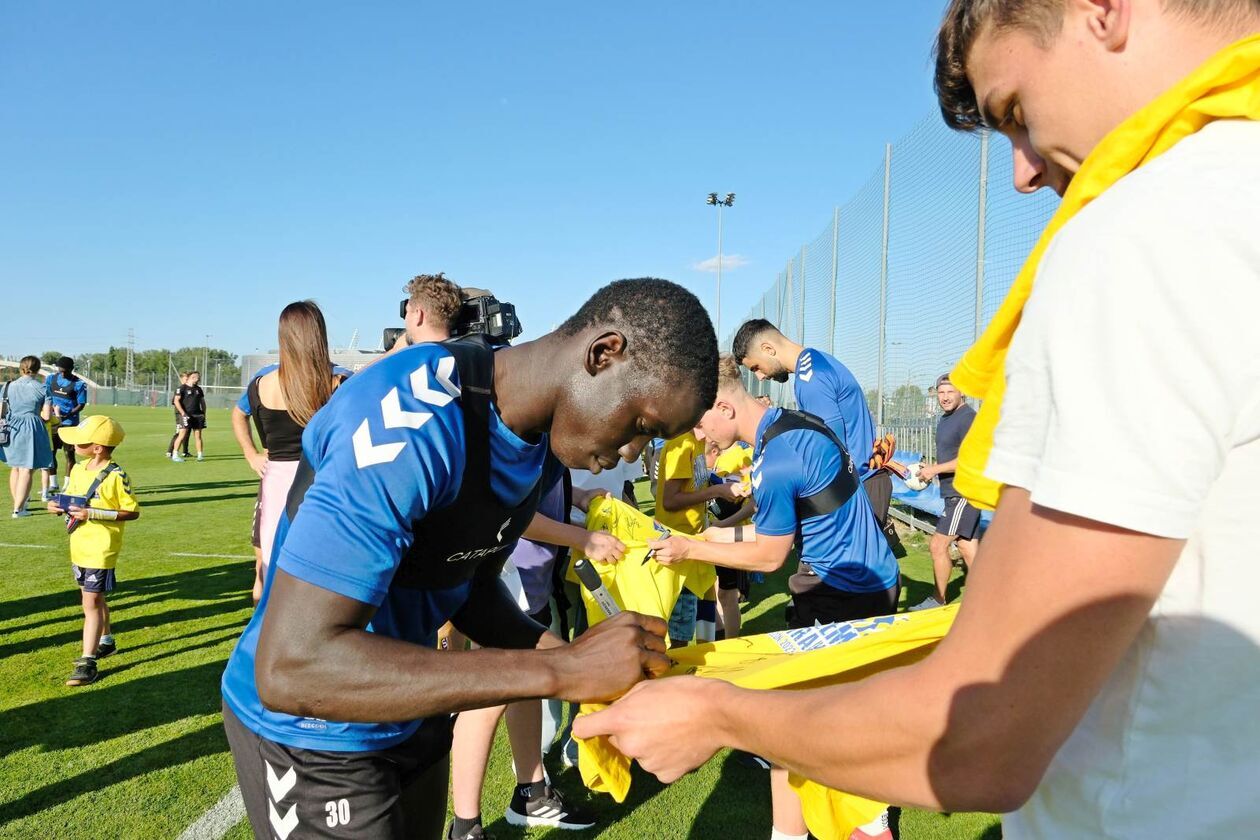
{"type": "Point", "coordinates": [186, 169]}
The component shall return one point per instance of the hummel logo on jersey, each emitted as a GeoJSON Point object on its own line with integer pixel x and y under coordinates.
{"type": "Point", "coordinates": [756, 481]}
{"type": "Point", "coordinates": [394, 416]}
{"type": "Point", "coordinates": [805, 370]}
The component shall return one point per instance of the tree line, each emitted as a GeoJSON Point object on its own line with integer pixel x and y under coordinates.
{"type": "Point", "coordinates": [217, 366]}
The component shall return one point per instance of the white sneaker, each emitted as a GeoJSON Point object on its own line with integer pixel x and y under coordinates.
{"type": "Point", "coordinates": [18, 514]}
{"type": "Point", "coordinates": [926, 604]}
{"type": "Point", "coordinates": [176, 458]}
{"type": "Point", "coordinates": [200, 457]}
{"type": "Point", "coordinates": [45, 496]}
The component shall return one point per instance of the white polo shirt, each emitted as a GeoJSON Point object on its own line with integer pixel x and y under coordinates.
{"type": "Point", "coordinates": [1133, 399]}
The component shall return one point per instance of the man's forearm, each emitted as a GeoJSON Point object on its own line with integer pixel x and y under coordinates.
{"type": "Point", "coordinates": [368, 677]}
{"type": "Point", "coordinates": [841, 737]}
{"type": "Point", "coordinates": [745, 556]}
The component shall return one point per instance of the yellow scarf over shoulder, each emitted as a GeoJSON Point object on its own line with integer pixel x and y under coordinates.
{"type": "Point", "coordinates": [1226, 86]}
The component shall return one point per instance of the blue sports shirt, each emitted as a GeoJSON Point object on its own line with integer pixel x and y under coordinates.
{"type": "Point", "coordinates": [386, 449]}
{"type": "Point", "coordinates": [845, 547]}
{"type": "Point", "coordinates": [828, 390]}
{"type": "Point", "coordinates": [243, 401]}
{"type": "Point", "coordinates": [61, 403]}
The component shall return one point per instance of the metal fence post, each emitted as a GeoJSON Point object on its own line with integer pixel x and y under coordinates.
{"type": "Point", "coordinates": [883, 291]}
{"type": "Point", "coordinates": [980, 229]}
{"type": "Point", "coordinates": [804, 290]}
{"type": "Point", "coordinates": [835, 276]}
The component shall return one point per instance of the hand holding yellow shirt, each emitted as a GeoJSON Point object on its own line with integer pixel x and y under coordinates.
{"type": "Point", "coordinates": [805, 658]}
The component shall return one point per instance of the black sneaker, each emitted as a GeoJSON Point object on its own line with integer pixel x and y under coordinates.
{"type": "Point", "coordinates": [84, 671]}
{"type": "Point", "coordinates": [548, 809]}
{"type": "Point", "coordinates": [105, 649]}
{"type": "Point", "coordinates": [474, 833]}
{"type": "Point", "coordinates": [748, 759]}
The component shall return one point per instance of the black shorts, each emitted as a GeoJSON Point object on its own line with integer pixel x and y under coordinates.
{"type": "Point", "coordinates": [378, 794]}
{"type": "Point", "coordinates": [58, 443]}
{"type": "Point", "coordinates": [816, 602]}
{"type": "Point", "coordinates": [959, 519]}
{"type": "Point", "coordinates": [94, 580]}
{"type": "Point", "coordinates": [728, 578]}
{"type": "Point", "coordinates": [193, 421]}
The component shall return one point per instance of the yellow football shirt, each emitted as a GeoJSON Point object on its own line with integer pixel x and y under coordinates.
{"type": "Point", "coordinates": [678, 460]}
{"type": "Point", "coordinates": [95, 543]}
{"type": "Point", "coordinates": [734, 460]}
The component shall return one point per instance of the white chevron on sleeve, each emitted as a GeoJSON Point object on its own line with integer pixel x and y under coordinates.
{"type": "Point", "coordinates": [396, 418]}
{"type": "Point", "coordinates": [422, 391]}
{"type": "Point", "coordinates": [283, 825]}
{"type": "Point", "coordinates": [367, 454]}
{"type": "Point", "coordinates": [756, 481]}
{"type": "Point", "coordinates": [280, 785]}
{"type": "Point", "coordinates": [446, 367]}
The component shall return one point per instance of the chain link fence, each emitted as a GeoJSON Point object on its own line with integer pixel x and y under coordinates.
{"type": "Point", "coordinates": [908, 272]}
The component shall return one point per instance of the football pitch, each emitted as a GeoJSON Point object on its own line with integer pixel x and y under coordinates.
{"type": "Point", "coordinates": [141, 753]}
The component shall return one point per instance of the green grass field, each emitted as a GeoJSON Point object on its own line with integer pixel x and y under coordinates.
{"type": "Point", "coordinates": [141, 753]}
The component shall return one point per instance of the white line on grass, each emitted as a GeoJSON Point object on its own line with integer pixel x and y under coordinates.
{"type": "Point", "coordinates": [219, 820]}
{"type": "Point", "coordinates": [22, 545]}
{"type": "Point", "coordinates": [216, 556]}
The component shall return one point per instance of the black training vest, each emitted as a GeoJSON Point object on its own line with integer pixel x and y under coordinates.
{"type": "Point", "coordinates": [451, 543]}
{"type": "Point", "coordinates": [842, 487]}
{"type": "Point", "coordinates": [63, 388]}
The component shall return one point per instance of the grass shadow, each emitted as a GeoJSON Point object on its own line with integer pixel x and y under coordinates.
{"type": "Point", "coordinates": [198, 500]}
{"type": "Point", "coordinates": [730, 810]}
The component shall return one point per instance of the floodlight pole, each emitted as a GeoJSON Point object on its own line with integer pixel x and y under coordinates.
{"type": "Point", "coordinates": [728, 201]}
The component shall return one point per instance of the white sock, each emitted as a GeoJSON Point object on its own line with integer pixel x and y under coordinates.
{"type": "Point", "coordinates": [877, 825]}
{"type": "Point", "coordinates": [775, 834]}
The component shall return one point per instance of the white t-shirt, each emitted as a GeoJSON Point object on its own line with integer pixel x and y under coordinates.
{"type": "Point", "coordinates": [1133, 398]}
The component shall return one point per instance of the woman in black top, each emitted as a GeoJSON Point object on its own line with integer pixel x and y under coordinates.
{"type": "Point", "coordinates": [282, 402]}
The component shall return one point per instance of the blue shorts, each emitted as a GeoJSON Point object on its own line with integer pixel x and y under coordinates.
{"type": "Point", "coordinates": [94, 580]}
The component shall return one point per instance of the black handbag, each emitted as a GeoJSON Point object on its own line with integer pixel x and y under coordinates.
{"type": "Point", "coordinates": [4, 415]}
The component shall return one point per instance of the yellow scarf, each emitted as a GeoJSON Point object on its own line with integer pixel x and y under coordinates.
{"type": "Point", "coordinates": [1227, 86]}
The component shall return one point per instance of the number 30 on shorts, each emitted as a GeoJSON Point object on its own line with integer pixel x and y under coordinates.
{"type": "Point", "coordinates": [338, 812]}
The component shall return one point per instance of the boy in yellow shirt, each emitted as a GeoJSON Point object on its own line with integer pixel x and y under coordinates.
{"type": "Point", "coordinates": [97, 500]}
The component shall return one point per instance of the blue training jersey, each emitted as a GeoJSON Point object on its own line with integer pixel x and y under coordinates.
{"type": "Point", "coordinates": [845, 547]}
{"type": "Point", "coordinates": [387, 449]}
{"type": "Point", "coordinates": [828, 390]}
{"type": "Point", "coordinates": [64, 404]}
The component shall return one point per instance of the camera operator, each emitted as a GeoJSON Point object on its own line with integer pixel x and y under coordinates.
{"type": "Point", "coordinates": [430, 311]}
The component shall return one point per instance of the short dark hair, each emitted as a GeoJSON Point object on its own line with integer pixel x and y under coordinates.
{"type": "Point", "coordinates": [749, 332]}
{"type": "Point", "coordinates": [964, 21]}
{"type": "Point", "coordinates": [1043, 19]}
{"type": "Point", "coordinates": [65, 363]}
{"type": "Point", "coordinates": [668, 332]}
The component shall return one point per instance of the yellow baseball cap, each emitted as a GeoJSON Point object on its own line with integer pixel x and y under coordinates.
{"type": "Point", "coordinates": [95, 429]}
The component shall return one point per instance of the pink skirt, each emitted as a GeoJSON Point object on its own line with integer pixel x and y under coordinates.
{"type": "Point", "coordinates": [274, 492]}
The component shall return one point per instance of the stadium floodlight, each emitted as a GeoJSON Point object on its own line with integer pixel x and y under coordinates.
{"type": "Point", "coordinates": [713, 201]}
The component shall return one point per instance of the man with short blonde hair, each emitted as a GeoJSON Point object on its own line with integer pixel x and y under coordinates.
{"type": "Point", "coordinates": [433, 304]}
{"type": "Point", "coordinates": [1103, 674]}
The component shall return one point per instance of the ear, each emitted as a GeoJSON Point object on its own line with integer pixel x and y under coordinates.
{"type": "Point", "coordinates": [768, 348]}
{"type": "Point", "coordinates": [415, 314]}
{"type": "Point", "coordinates": [606, 349]}
{"type": "Point", "coordinates": [1108, 21]}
